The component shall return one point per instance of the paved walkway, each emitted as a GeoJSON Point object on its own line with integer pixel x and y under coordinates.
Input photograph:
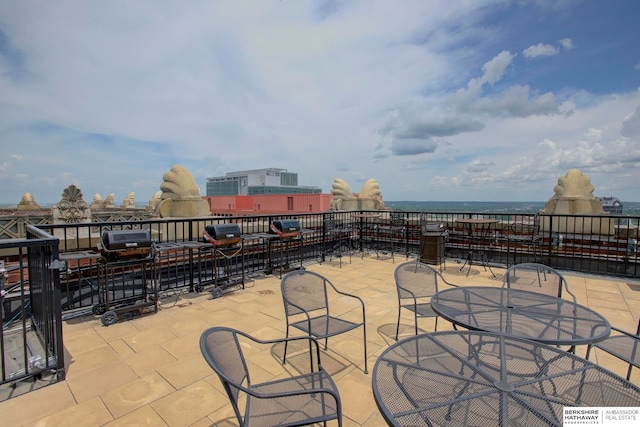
{"type": "Point", "coordinates": [149, 370]}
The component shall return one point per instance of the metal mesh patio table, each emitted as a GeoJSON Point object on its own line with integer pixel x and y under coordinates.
{"type": "Point", "coordinates": [539, 317]}
{"type": "Point", "coordinates": [473, 378]}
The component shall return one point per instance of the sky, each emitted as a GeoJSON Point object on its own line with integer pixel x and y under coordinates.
{"type": "Point", "coordinates": [489, 100]}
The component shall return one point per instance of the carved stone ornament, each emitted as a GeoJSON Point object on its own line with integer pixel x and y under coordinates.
{"type": "Point", "coordinates": [72, 207]}
{"type": "Point", "coordinates": [370, 196]}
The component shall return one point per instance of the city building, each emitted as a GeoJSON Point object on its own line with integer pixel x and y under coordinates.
{"type": "Point", "coordinates": [263, 191]}
{"type": "Point", "coordinates": [611, 205]}
{"type": "Point", "coordinates": [258, 181]}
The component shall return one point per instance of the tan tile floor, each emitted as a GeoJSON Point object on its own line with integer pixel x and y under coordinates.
{"type": "Point", "coordinates": [149, 371]}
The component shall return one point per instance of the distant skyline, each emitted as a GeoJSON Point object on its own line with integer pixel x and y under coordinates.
{"type": "Point", "coordinates": [436, 100]}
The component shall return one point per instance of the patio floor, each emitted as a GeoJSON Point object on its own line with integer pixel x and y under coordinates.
{"type": "Point", "coordinates": [149, 370]}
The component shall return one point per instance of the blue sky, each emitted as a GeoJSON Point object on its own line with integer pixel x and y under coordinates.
{"type": "Point", "coordinates": [436, 100]}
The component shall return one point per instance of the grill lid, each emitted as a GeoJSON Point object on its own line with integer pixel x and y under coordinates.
{"type": "Point", "coordinates": [125, 244]}
{"type": "Point", "coordinates": [433, 228]}
{"type": "Point", "coordinates": [285, 228]}
{"type": "Point", "coordinates": [222, 234]}
{"type": "Point", "coordinates": [126, 239]}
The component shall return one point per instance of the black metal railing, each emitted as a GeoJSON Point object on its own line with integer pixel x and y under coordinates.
{"type": "Point", "coordinates": [31, 334]}
{"type": "Point", "coordinates": [592, 244]}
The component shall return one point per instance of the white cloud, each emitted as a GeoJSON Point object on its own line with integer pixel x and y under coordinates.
{"type": "Point", "coordinates": [494, 70]}
{"type": "Point", "coordinates": [593, 135]}
{"type": "Point", "coordinates": [631, 124]}
{"type": "Point", "coordinates": [110, 97]}
{"type": "Point", "coordinates": [566, 43]}
{"type": "Point", "coordinates": [540, 49]}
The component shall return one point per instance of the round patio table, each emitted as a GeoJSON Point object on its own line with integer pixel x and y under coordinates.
{"type": "Point", "coordinates": [473, 378]}
{"type": "Point", "coordinates": [539, 317]}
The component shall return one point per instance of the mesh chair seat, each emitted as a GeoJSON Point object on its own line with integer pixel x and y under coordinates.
{"type": "Point", "coordinates": [308, 398]}
{"type": "Point", "coordinates": [325, 326]}
{"type": "Point", "coordinates": [423, 310]}
{"type": "Point", "coordinates": [295, 408]}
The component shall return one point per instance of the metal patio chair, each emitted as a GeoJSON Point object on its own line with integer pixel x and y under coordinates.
{"type": "Point", "coordinates": [524, 235]}
{"type": "Point", "coordinates": [388, 235]}
{"type": "Point", "coordinates": [308, 398]}
{"type": "Point", "coordinates": [538, 278]}
{"type": "Point", "coordinates": [623, 345]}
{"type": "Point", "coordinates": [416, 282]}
{"type": "Point", "coordinates": [306, 306]}
{"type": "Point", "coordinates": [337, 239]}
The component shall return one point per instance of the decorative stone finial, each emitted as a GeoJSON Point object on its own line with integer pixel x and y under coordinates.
{"type": "Point", "coordinates": [153, 202]}
{"type": "Point", "coordinates": [180, 195]}
{"type": "Point", "coordinates": [370, 196]}
{"type": "Point", "coordinates": [109, 202]}
{"type": "Point", "coordinates": [574, 196]}
{"type": "Point", "coordinates": [28, 203]}
{"type": "Point", "coordinates": [129, 201]}
{"type": "Point", "coordinates": [97, 202]}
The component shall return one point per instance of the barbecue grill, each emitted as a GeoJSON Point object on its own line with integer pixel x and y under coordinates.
{"type": "Point", "coordinates": [222, 235]}
{"type": "Point", "coordinates": [126, 277]}
{"type": "Point", "coordinates": [432, 228]}
{"type": "Point", "coordinates": [120, 245]}
{"type": "Point", "coordinates": [286, 228]}
{"type": "Point", "coordinates": [432, 242]}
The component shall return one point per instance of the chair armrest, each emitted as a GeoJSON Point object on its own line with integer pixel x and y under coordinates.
{"type": "Point", "coordinates": [626, 333]}
{"type": "Point", "coordinates": [415, 299]}
{"type": "Point", "coordinates": [289, 339]}
{"type": "Point", "coordinates": [351, 296]}
{"type": "Point", "coordinates": [276, 395]}
{"type": "Point", "coordinates": [566, 288]}
{"type": "Point", "coordinates": [345, 293]}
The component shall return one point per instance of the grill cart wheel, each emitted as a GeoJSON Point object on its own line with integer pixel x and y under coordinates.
{"type": "Point", "coordinates": [109, 318]}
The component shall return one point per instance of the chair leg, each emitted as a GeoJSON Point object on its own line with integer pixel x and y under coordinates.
{"type": "Point", "coordinates": [284, 357]}
{"type": "Point", "coordinates": [392, 248]}
{"type": "Point", "coordinates": [398, 324]}
{"type": "Point", "coordinates": [364, 334]}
